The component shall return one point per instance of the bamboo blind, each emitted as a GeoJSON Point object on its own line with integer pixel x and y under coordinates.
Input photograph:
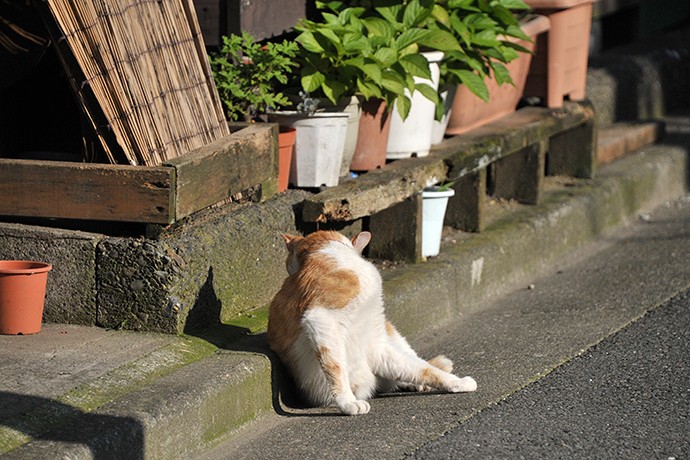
{"type": "Point", "coordinates": [145, 62]}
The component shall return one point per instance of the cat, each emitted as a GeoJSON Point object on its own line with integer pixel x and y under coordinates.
{"type": "Point", "coordinates": [327, 325]}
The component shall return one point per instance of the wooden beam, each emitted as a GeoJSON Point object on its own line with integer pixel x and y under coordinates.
{"type": "Point", "coordinates": [212, 173]}
{"type": "Point", "coordinates": [56, 189]}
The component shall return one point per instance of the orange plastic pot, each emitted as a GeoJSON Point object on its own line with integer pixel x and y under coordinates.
{"type": "Point", "coordinates": [286, 145]}
{"type": "Point", "coordinates": [22, 295]}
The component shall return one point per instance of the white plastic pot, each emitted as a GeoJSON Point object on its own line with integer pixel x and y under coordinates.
{"type": "Point", "coordinates": [319, 146]}
{"type": "Point", "coordinates": [434, 205]}
{"type": "Point", "coordinates": [413, 135]}
{"type": "Point", "coordinates": [438, 129]}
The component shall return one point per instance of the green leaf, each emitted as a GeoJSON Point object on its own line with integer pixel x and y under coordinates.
{"type": "Point", "coordinates": [392, 82]}
{"type": "Point", "coordinates": [474, 83]}
{"type": "Point", "coordinates": [501, 73]}
{"type": "Point", "coordinates": [415, 13]}
{"type": "Point", "coordinates": [379, 27]}
{"type": "Point", "coordinates": [311, 79]}
{"type": "Point", "coordinates": [516, 31]}
{"type": "Point", "coordinates": [333, 90]}
{"type": "Point", "coordinates": [355, 42]}
{"type": "Point", "coordinates": [369, 90]}
{"type": "Point", "coordinates": [427, 91]}
{"type": "Point", "coordinates": [440, 40]}
{"type": "Point", "coordinates": [309, 42]}
{"type": "Point", "coordinates": [411, 36]}
{"type": "Point", "coordinates": [387, 56]}
{"type": "Point", "coordinates": [486, 37]}
{"type": "Point", "coordinates": [417, 65]}
{"type": "Point", "coordinates": [512, 4]}
{"type": "Point", "coordinates": [403, 104]}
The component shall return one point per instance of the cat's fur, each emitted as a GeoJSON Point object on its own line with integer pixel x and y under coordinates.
{"type": "Point", "coordinates": [327, 325]}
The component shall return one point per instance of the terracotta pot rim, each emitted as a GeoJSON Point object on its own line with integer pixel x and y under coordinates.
{"type": "Point", "coordinates": [23, 267]}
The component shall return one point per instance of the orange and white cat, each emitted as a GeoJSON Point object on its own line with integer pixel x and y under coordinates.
{"type": "Point", "coordinates": [327, 324]}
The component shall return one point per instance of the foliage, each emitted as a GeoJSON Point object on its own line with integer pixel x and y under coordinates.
{"type": "Point", "coordinates": [483, 29]}
{"type": "Point", "coordinates": [247, 75]}
{"type": "Point", "coordinates": [371, 49]}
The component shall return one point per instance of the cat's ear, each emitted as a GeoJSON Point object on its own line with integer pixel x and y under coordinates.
{"type": "Point", "coordinates": [289, 238]}
{"type": "Point", "coordinates": [361, 240]}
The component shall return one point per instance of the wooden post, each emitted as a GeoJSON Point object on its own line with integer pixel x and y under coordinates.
{"type": "Point", "coordinates": [520, 175]}
{"type": "Point", "coordinates": [573, 152]}
{"type": "Point", "coordinates": [397, 231]}
{"type": "Point", "coordinates": [466, 209]}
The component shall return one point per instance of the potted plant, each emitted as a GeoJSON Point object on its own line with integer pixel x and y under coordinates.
{"type": "Point", "coordinates": [488, 70]}
{"type": "Point", "coordinates": [319, 144]}
{"type": "Point", "coordinates": [560, 68]}
{"type": "Point", "coordinates": [248, 76]}
{"type": "Point", "coordinates": [501, 94]}
{"type": "Point", "coordinates": [370, 49]}
{"type": "Point", "coordinates": [434, 204]}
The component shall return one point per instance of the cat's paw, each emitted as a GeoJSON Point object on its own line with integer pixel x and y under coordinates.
{"type": "Point", "coordinates": [443, 363]}
{"type": "Point", "coordinates": [357, 407]}
{"type": "Point", "coordinates": [462, 385]}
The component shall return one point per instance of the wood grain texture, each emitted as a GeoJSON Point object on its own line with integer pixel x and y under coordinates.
{"type": "Point", "coordinates": [86, 191]}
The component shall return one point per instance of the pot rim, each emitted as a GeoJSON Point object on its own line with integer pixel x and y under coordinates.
{"type": "Point", "coordinates": [23, 267]}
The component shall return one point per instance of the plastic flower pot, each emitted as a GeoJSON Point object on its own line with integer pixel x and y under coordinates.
{"type": "Point", "coordinates": [319, 146]}
{"type": "Point", "coordinates": [352, 107]}
{"type": "Point", "coordinates": [559, 68]}
{"type": "Point", "coordinates": [469, 111]}
{"type": "Point", "coordinates": [374, 130]}
{"type": "Point", "coordinates": [434, 203]}
{"type": "Point", "coordinates": [286, 146]}
{"type": "Point", "coordinates": [412, 136]}
{"type": "Point", "coordinates": [22, 296]}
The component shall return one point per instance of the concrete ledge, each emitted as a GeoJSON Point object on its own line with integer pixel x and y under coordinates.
{"type": "Point", "coordinates": [171, 418]}
{"type": "Point", "coordinates": [520, 246]}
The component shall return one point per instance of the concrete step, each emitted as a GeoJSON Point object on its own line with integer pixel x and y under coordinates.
{"type": "Point", "coordinates": [157, 396]}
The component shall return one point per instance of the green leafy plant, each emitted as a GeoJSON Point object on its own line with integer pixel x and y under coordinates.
{"type": "Point", "coordinates": [486, 31]}
{"type": "Point", "coordinates": [371, 49]}
{"type": "Point", "coordinates": [248, 74]}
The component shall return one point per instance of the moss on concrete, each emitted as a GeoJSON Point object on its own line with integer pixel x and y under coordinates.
{"type": "Point", "coordinates": [109, 387]}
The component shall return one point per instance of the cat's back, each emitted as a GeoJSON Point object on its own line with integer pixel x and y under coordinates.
{"type": "Point", "coordinates": [327, 272]}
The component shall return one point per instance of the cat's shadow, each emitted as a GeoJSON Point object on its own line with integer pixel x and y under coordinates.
{"type": "Point", "coordinates": [203, 321]}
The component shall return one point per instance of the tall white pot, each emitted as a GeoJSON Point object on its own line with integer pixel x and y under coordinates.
{"type": "Point", "coordinates": [434, 205]}
{"type": "Point", "coordinates": [319, 146]}
{"type": "Point", "coordinates": [413, 135]}
{"type": "Point", "coordinates": [353, 108]}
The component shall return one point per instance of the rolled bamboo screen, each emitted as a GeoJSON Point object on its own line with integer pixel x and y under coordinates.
{"type": "Point", "coordinates": [146, 65]}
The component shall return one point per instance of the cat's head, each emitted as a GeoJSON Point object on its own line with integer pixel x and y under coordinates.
{"type": "Point", "coordinates": [301, 246]}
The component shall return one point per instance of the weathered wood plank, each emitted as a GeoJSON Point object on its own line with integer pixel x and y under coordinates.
{"type": "Point", "coordinates": [212, 173]}
{"type": "Point", "coordinates": [475, 150]}
{"type": "Point", "coordinates": [374, 191]}
{"type": "Point", "coordinates": [30, 188]}
{"type": "Point", "coordinates": [452, 159]}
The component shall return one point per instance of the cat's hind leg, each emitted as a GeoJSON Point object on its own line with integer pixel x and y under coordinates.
{"type": "Point", "coordinates": [399, 363]}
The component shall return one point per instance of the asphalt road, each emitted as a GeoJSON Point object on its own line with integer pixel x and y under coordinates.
{"type": "Point", "coordinates": [626, 398]}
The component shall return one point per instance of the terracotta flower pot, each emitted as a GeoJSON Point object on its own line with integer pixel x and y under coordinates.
{"type": "Point", "coordinates": [22, 296]}
{"type": "Point", "coordinates": [559, 69]}
{"type": "Point", "coordinates": [469, 111]}
{"type": "Point", "coordinates": [374, 129]}
{"type": "Point", "coordinates": [286, 145]}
